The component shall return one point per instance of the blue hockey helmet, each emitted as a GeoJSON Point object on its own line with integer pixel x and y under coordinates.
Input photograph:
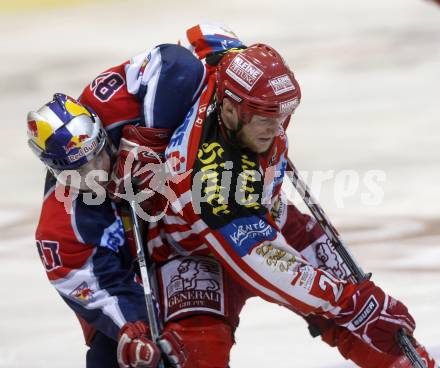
{"type": "Point", "coordinates": [65, 134]}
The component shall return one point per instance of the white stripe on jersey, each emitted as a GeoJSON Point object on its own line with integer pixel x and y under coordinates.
{"type": "Point", "coordinates": [178, 235]}
{"type": "Point", "coordinates": [151, 78]}
{"type": "Point", "coordinates": [174, 220]}
{"type": "Point", "coordinates": [178, 249]}
{"type": "Point", "coordinates": [122, 122]}
{"type": "Point", "coordinates": [219, 249]}
{"type": "Point", "coordinates": [154, 243]}
{"type": "Point", "coordinates": [200, 226]}
{"type": "Point", "coordinates": [201, 84]}
{"type": "Point", "coordinates": [172, 238]}
{"type": "Point", "coordinates": [50, 191]}
{"type": "Point", "coordinates": [181, 202]}
{"type": "Point", "coordinates": [280, 282]}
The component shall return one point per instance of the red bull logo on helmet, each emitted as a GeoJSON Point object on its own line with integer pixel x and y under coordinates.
{"type": "Point", "coordinates": [84, 151]}
{"type": "Point", "coordinates": [39, 131]}
{"type": "Point", "coordinates": [75, 109]}
{"type": "Point", "coordinates": [75, 142]}
{"type": "Point", "coordinates": [32, 128]}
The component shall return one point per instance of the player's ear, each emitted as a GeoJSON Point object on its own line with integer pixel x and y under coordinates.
{"type": "Point", "coordinates": [229, 114]}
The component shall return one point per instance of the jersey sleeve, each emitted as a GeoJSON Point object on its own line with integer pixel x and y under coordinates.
{"type": "Point", "coordinates": [154, 89]}
{"type": "Point", "coordinates": [86, 260]}
{"type": "Point", "coordinates": [167, 80]}
{"type": "Point", "coordinates": [305, 235]}
{"type": "Point", "coordinates": [107, 95]}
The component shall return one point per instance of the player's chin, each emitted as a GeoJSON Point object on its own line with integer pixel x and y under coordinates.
{"type": "Point", "coordinates": [261, 145]}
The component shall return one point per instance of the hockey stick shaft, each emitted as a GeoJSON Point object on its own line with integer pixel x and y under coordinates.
{"type": "Point", "coordinates": [145, 276]}
{"type": "Point", "coordinates": [320, 216]}
{"type": "Point", "coordinates": [340, 247]}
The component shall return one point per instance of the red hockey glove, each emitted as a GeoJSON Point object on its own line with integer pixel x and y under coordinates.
{"type": "Point", "coordinates": [172, 346]}
{"type": "Point", "coordinates": [376, 317]}
{"type": "Point", "coordinates": [140, 154]}
{"type": "Point", "coordinates": [135, 349]}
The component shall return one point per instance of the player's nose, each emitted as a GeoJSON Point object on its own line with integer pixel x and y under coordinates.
{"type": "Point", "coordinates": [273, 126]}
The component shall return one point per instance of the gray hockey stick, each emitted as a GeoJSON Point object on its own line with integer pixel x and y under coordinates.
{"type": "Point", "coordinates": [357, 272]}
{"type": "Point", "coordinates": [148, 291]}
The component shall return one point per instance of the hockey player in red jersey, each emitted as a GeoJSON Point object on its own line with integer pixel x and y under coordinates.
{"type": "Point", "coordinates": [227, 233]}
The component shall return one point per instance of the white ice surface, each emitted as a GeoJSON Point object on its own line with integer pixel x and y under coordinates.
{"type": "Point", "coordinates": [370, 77]}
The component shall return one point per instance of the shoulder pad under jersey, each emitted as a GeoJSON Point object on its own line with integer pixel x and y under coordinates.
{"type": "Point", "coordinates": [167, 80]}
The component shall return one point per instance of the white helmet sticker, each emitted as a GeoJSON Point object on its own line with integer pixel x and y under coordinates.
{"type": "Point", "coordinates": [289, 106]}
{"type": "Point", "coordinates": [244, 72]}
{"type": "Point", "coordinates": [281, 84]}
{"type": "Point", "coordinates": [233, 95]}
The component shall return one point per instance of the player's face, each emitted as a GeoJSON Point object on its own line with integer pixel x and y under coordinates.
{"type": "Point", "coordinates": [98, 171]}
{"type": "Point", "coordinates": [100, 163]}
{"type": "Point", "coordinates": [259, 134]}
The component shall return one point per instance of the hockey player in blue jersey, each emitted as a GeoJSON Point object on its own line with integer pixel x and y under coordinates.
{"type": "Point", "coordinates": [87, 250]}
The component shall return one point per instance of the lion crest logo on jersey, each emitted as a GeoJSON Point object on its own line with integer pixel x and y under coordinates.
{"type": "Point", "coordinates": [189, 279]}
{"type": "Point", "coordinates": [190, 284]}
{"type": "Point", "coordinates": [331, 261]}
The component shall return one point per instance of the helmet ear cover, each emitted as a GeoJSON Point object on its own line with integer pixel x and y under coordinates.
{"type": "Point", "coordinates": [257, 81]}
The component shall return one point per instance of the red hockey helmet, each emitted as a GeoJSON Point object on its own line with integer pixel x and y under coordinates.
{"type": "Point", "coordinates": [258, 80]}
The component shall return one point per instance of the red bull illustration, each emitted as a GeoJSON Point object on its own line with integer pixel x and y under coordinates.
{"type": "Point", "coordinates": [82, 293]}
{"type": "Point", "coordinates": [75, 109]}
{"type": "Point", "coordinates": [32, 128]}
{"type": "Point", "coordinates": [40, 131]}
{"type": "Point", "coordinates": [75, 142]}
